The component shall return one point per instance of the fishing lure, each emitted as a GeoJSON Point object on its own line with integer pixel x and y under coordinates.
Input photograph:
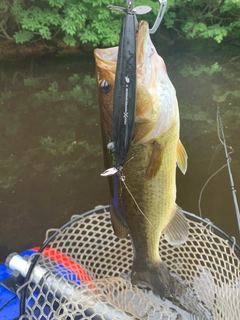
{"type": "Point", "coordinates": [124, 100]}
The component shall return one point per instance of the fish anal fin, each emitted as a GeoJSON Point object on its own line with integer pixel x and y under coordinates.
{"type": "Point", "coordinates": [155, 161]}
{"type": "Point", "coordinates": [176, 231]}
{"type": "Point", "coordinates": [120, 230]}
{"type": "Point", "coordinates": [181, 157]}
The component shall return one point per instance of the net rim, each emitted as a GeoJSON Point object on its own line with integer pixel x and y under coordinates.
{"type": "Point", "coordinates": [104, 208]}
{"type": "Point", "coordinates": [210, 224]}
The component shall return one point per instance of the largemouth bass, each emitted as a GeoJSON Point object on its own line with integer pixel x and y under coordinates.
{"type": "Point", "coordinates": [143, 195]}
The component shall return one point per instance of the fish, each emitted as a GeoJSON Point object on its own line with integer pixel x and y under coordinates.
{"type": "Point", "coordinates": [143, 192]}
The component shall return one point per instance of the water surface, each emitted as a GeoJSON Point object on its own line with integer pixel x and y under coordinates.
{"type": "Point", "coordinates": [51, 158]}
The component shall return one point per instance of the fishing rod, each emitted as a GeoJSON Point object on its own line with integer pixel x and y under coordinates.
{"type": "Point", "coordinates": [124, 99]}
{"type": "Point", "coordinates": [228, 158]}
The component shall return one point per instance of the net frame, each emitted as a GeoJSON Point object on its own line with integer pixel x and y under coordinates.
{"type": "Point", "coordinates": [225, 290]}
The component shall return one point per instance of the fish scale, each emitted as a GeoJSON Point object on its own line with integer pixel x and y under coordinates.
{"type": "Point", "coordinates": [158, 197]}
{"type": "Point", "coordinates": [143, 192]}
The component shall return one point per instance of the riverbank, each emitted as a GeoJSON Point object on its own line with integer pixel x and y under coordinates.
{"type": "Point", "coordinates": [10, 50]}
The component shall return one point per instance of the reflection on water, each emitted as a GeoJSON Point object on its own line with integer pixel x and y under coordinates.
{"type": "Point", "coordinates": [50, 148]}
{"type": "Point", "coordinates": [203, 86]}
{"type": "Point", "coordinates": [50, 156]}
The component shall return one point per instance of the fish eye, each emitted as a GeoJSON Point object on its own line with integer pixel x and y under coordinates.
{"type": "Point", "coordinates": [105, 87]}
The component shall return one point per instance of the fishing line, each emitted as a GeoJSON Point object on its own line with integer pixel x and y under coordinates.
{"type": "Point", "coordinates": [112, 171]}
{"type": "Point", "coordinates": [218, 170]}
{"type": "Point", "coordinates": [123, 180]}
{"type": "Point", "coordinates": [229, 159]}
{"type": "Point", "coordinates": [129, 159]}
{"type": "Point", "coordinates": [214, 154]}
{"type": "Point", "coordinates": [200, 195]}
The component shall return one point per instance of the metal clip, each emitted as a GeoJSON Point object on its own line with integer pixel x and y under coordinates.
{"type": "Point", "coordinates": [143, 10]}
{"type": "Point", "coordinates": [161, 11]}
{"type": "Point", "coordinates": [130, 6]}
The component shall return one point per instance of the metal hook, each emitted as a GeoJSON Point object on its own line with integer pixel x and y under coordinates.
{"type": "Point", "coordinates": [161, 11]}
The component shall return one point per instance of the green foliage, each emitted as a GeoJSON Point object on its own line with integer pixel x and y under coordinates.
{"type": "Point", "coordinates": [210, 70]}
{"type": "Point", "coordinates": [5, 95]}
{"type": "Point", "coordinates": [90, 21]}
{"type": "Point", "coordinates": [74, 78]}
{"type": "Point", "coordinates": [204, 88]}
{"type": "Point", "coordinates": [231, 94]}
{"type": "Point", "coordinates": [23, 36]}
{"type": "Point", "coordinates": [74, 91]}
{"type": "Point", "coordinates": [70, 40]}
{"type": "Point", "coordinates": [207, 19]}
{"type": "Point", "coordinates": [232, 115]}
{"type": "Point", "coordinates": [36, 21]}
{"type": "Point", "coordinates": [3, 5]}
{"type": "Point", "coordinates": [57, 3]}
{"type": "Point", "coordinates": [220, 96]}
{"type": "Point", "coordinates": [31, 82]}
{"type": "Point", "coordinates": [43, 126]}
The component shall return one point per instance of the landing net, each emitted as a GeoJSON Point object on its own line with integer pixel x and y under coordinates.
{"type": "Point", "coordinates": [205, 271]}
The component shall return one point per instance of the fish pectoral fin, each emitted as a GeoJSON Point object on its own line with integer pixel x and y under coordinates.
{"type": "Point", "coordinates": [181, 157]}
{"type": "Point", "coordinates": [155, 160]}
{"type": "Point", "coordinates": [118, 227]}
{"type": "Point", "coordinates": [176, 231]}
{"type": "Point", "coordinates": [142, 130]}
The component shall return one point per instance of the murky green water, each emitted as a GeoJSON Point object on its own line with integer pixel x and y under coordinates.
{"type": "Point", "coordinates": [50, 155]}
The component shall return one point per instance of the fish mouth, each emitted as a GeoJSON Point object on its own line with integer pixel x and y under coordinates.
{"type": "Point", "coordinates": [107, 58]}
{"type": "Point", "coordinates": [146, 55]}
{"type": "Point", "coordinates": [144, 46]}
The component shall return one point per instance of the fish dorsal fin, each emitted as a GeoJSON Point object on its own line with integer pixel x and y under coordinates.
{"type": "Point", "coordinates": [181, 157]}
{"type": "Point", "coordinates": [119, 228]}
{"type": "Point", "coordinates": [176, 231]}
{"type": "Point", "coordinates": [154, 161]}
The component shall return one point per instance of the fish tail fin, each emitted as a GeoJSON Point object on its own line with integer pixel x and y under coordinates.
{"type": "Point", "coordinates": [155, 276]}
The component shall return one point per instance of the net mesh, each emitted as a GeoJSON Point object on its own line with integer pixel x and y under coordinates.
{"type": "Point", "coordinates": [205, 271]}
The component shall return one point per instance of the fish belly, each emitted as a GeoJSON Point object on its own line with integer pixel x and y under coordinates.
{"type": "Point", "coordinates": [147, 205]}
